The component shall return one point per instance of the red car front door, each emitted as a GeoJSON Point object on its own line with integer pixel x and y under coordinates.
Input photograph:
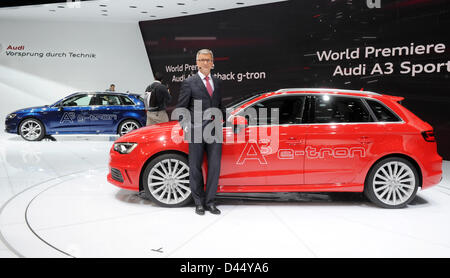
{"type": "Point", "coordinates": [242, 160]}
{"type": "Point", "coordinates": [269, 152]}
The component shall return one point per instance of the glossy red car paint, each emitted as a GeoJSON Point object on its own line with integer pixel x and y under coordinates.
{"type": "Point", "coordinates": [356, 147]}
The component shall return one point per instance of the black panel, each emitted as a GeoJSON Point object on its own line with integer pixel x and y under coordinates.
{"type": "Point", "coordinates": [282, 40]}
{"type": "Point", "coordinates": [13, 3]}
{"type": "Point", "coordinates": [116, 175]}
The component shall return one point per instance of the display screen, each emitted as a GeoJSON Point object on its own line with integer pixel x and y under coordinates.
{"type": "Point", "coordinates": [391, 47]}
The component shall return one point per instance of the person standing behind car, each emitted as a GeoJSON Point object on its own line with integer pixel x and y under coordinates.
{"type": "Point", "coordinates": [157, 97]}
{"type": "Point", "coordinates": [112, 88]}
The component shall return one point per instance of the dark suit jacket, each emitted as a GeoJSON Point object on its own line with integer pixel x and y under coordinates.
{"type": "Point", "coordinates": [193, 89]}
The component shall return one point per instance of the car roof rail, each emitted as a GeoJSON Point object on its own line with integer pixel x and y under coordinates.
{"type": "Point", "coordinates": [327, 90]}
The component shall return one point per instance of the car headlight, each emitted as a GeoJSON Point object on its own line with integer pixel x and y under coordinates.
{"type": "Point", "coordinates": [124, 148]}
{"type": "Point", "coordinates": [11, 116]}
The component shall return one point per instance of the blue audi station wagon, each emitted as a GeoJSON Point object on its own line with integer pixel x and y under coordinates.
{"type": "Point", "coordinates": [80, 113]}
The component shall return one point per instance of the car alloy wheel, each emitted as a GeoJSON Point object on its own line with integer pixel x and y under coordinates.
{"type": "Point", "coordinates": [166, 181]}
{"type": "Point", "coordinates": [392, 183]}
{"type": "Point", "coordinates": [32, 130]}
{"type": "Point", "coordinates": [128, 126]}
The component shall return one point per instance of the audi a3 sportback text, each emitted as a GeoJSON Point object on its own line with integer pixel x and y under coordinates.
{"type": "Point", "coordinates": [80, 113]}
{"type": "Point", "coordinates": [307, 140]}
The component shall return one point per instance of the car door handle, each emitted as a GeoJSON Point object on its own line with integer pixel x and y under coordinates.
{"type": "Point", "coordinates": [295, 141]}
{"type": "Point", "coordinates": [365, 140]}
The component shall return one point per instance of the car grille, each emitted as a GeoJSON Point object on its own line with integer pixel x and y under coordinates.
{"type": "Point", "coordinates": [116, 175]}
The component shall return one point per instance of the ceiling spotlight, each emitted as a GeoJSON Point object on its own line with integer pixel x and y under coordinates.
{"type": "Point", "coordinates": [184, 12]}
{"type": "Point", "coordinates": [105, 14]}
{"type": "Point", "coordinates": [52, 10]}
{"type": "Point", "coordinates": [103, 5]}
{"type": "Point", "coordinates": [240, 3]}
{"type": "Point", "coordinates": [144, 12]}
{"type": "Point", "coordinates": [61, 7]}
{"type": "Point", "coordinates": [133, 7]}
{"type": "Point", "coordinates": [160, 6]}
{"type": "Point", "coordinates": [212, 9]}
{"type": "Point", "coordinates": [180, 4]}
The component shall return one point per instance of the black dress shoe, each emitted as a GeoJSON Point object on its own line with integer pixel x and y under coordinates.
{"type": "Point", "coordinates": [213, 209]}
{"type": "Point", "coordinates": [200, 210]}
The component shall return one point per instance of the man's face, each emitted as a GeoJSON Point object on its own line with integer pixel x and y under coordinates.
{"type": "Point", "coordinates": [205, 63]}
{"type": "Point", "coordinates": [112, 87]}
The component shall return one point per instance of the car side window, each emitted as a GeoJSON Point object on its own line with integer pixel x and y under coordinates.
{"type": "Point", "coordinates": [109, 100]}
{"type": "Point", "coordinates": [79, 100]}
{"type": "Point", "coordinates": [126, 100]}
{"type": "Point", "coordinates": [141, 99]}
{"type": "Point", "coordinates": [382, 113]}
{"type": "Point", "coordinates": [338, 109]}
{"type": "Point", "coordinates": [277, 110]}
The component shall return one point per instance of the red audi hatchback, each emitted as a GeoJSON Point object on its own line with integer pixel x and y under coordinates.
{"type": "Point", "coordinates": [293, 140]}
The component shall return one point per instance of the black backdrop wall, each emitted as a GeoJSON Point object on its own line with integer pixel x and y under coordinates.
{"type": "Point", "coordinates": [401, 48]}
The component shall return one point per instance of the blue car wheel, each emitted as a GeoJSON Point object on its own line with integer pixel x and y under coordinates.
{"type": "Point", "coordinates": [127, 126]}
{"type": "Point", "coordinates": [32, 130]}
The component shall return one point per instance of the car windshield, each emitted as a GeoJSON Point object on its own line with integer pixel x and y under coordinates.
{"type": "Point", "coordinates": [243, 99]}
{"type": "Point", "coordinates": [60, 101]}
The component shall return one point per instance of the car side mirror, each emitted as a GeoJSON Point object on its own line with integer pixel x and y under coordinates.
{"type": "Point", "coordinates": [238, 123]}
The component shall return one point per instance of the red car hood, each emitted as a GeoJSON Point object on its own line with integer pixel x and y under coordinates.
{"type": "Point", "coordinates": [151, 132]}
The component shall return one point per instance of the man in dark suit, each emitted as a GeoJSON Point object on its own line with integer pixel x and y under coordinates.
{"type": "Point", "coordinates": [204, 88]}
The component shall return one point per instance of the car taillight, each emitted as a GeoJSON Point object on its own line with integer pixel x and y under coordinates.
{"type": "Point", "coordinates": [429, 136]}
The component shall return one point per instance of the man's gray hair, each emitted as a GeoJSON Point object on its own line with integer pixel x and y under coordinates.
{"type": "Point", "coordinates": [204, 51]}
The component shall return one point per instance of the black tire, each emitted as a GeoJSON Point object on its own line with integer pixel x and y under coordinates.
{"type": "Point", "coordinates": [32, 129]}
{"type": "Point", "coordinates": [49, 138]}
{"type": "Point", "coordinates": [166, 181]}
{"type": "Point", "coordinates": [127, 126]}
{"type": "Point", "coordinates": [392, 183]}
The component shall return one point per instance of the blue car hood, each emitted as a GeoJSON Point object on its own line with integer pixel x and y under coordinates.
{"type": "Point", "coordinates": [31, 109]}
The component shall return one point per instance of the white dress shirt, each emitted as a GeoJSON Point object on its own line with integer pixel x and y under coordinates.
{"type": "Point", "coordinates": [202, 76]}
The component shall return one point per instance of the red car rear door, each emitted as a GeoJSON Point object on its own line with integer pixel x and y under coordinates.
{"type": "Point", "coordinates": [336, 145]}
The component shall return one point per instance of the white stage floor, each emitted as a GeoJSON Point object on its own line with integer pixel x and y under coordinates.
{"type": "Point", "coordinates": [55, 202]}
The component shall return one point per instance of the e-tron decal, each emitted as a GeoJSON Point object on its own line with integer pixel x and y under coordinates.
{"type": "Point", "coordinates": [97, 117]}
{"type": "Point", "coordinates": [253, 151]}
{"type": "Point", "coordinates": [68, 117]}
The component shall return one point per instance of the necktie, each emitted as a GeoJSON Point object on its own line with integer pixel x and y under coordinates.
{"type": "Point", "coordinates": [208, 86]}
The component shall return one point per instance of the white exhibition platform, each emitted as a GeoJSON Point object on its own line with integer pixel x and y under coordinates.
{"type": "Point", "coordinates": [55, 202]}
